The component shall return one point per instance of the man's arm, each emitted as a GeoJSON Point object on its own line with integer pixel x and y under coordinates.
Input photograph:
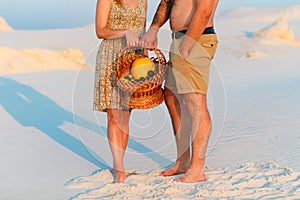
{"type": "Point", "coordinates": [162, 15]}
{"type": "Point", "coordinates": [202, 14]}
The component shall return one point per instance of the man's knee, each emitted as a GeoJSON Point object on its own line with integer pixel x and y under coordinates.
{"type": "Point", "coordinates": [196, 99]}
{"type": "Point", "coordinates": [196, 103]}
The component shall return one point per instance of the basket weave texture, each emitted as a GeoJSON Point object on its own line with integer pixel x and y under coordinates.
{"type": "Point", "coordinates": [143, 94]}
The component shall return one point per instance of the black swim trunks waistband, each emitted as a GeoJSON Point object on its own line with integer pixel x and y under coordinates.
{"type": "Point", "coordinates": [207, 30]}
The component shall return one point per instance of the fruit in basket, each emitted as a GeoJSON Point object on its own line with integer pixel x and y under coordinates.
{"type": "Point", "coordinates": [150, 74]}
{"type": "Point", "coordinates": [140, 67]}
{"type": "Point", "coordinates": [142, 79]}
{"type": "Point", "coordinates": [126, 78]}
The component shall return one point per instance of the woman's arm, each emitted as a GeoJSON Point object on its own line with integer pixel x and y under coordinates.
{"type": "Point", "coordinates": [102, 14]}
{"type": "Point", "coordinates": [146, 9]}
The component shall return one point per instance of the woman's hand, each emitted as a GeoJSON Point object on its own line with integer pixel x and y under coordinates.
{"type": "Point", "coordinates": [132, 38]}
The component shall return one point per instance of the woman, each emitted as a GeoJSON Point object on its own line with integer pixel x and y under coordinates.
{"type": "Point", "coordinates": [119, 23]}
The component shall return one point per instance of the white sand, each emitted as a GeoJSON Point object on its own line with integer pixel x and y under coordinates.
{"type": "Point", "coordinates": [246, 181]}
{"type": "Point", "coordinates": [53, 146]}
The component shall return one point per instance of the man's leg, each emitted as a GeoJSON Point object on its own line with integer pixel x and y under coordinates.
{"type": "Point", "coordinates": [181, 128]}
{"type": "Point", "coordinates": [201, 127]}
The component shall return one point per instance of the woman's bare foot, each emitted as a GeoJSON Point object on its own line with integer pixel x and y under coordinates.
{"type": "Point", "coordinates": [175, 170]}
{"type": "Point", "coordinates": [119, 176]}
{"type": "Point", "coordinates": [192, 176]}
{"type": "Point", "coordinates": [114, 171]}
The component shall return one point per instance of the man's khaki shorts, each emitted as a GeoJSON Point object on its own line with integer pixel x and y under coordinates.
{"type": "Point", "coordinates": [191, 74]}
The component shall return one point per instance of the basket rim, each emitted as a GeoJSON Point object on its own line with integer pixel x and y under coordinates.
{"type": "Point", "coordinates": [158, 78]}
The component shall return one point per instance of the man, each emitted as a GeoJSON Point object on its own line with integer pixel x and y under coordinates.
{"type": "Point", "coordinates": [193, 47]}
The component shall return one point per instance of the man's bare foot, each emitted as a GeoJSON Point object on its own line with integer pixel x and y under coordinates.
{"type": "Point", "coordinates": [175, 170]}
{"type": "Point", "coordinates": [119, 176]}
{"type": "Point", "coordinates": [171, 172]}
{"type": "Point", "coordinates": [192, 176]}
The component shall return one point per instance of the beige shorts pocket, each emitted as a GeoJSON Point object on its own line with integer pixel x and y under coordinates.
{"type": "Point", "coordinates": [210, 47]}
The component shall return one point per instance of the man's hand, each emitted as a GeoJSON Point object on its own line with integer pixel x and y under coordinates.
{"type": "Point", "coordinates": [149, 40]}
{"type": "Point", "coordinates": [185, 47]}
{"type": "Point", "coordinates": [184, 52]}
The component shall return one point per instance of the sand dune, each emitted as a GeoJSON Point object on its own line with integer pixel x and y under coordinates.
{"type": "Point", "coordinates": [278, 30]}
{"type": "Point", "coordinates": [25, 51]}
{"type": "Point", "coordinates": [33, 60]}
{"type": "Point", "coordinates": [260, 32]}
{"type": "Point", "coordinates": [4, 26]}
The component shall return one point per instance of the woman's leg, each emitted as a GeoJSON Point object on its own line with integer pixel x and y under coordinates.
{"type": "Point", "coordinates": [125, 128]}
{"type": "Point", "coordinates": [117, 133]}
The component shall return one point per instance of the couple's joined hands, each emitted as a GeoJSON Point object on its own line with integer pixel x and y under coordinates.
{"type": "Point", "coordinates": [149, 41]}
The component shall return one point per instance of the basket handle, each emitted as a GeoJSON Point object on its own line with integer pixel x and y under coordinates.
{"type": "Point", "coordinates": [160, 59]}
{"type": "Point", "coordinates": [123, 63]}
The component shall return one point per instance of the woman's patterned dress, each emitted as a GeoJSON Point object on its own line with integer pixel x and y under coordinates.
{"type": "Point", "coordinates": [106, 93]}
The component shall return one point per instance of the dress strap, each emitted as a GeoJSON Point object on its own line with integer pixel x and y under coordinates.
{"type": "Point", "coordinates": [141, 3]}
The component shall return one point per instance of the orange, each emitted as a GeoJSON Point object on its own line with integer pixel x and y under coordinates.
{"type": "Point", "coordinates": [141, 66]}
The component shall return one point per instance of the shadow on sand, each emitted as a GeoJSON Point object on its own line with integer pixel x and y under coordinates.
{"type": "Point", "coordinates": [33, 109]}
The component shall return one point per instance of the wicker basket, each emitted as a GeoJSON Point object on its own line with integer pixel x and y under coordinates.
{"type": "Point", "coordinates": [141, 94]}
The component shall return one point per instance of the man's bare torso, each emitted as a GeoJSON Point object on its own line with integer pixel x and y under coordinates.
{"type": "Point", "coordinates": [182, 12]}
